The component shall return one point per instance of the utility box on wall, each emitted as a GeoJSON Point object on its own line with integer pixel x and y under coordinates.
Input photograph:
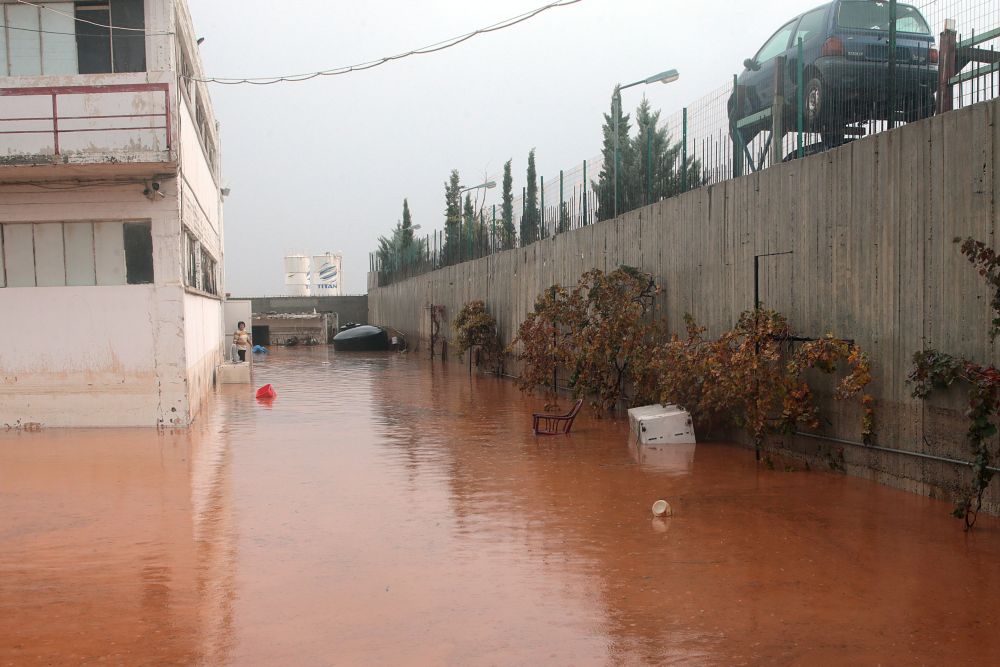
{"type": "Point", "coordinates": [661, 424]}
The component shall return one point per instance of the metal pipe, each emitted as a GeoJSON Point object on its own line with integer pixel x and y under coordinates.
{"type": "Point", "coordinates": [892, 450]}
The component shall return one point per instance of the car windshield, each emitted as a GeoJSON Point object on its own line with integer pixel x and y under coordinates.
{"type": "Point", "coordinates": [870, 15]}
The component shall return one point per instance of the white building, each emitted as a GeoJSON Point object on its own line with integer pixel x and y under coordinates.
{"type": "Point", "coordinates": [110, 216]}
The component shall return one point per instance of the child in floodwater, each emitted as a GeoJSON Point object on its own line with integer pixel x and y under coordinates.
{"type": "Point", "coordinates": [241, 339]}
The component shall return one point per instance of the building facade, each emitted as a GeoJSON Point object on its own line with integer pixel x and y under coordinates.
{"type": "Point", "coordinates": [111, 226]}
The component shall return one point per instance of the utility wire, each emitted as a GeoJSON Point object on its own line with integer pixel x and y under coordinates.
{"type": "Point", "coordinates": [77, 18]}
{"type": "Point", "coordinates": [431, 48]}
{"type": "Point", "coordinates": [73, 34]}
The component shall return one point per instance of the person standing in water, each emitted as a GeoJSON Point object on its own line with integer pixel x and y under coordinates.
{"type": "Point", "coordinates": [241, 339]}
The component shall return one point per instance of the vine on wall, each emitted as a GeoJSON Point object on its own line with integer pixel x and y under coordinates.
{"type": "Point", "coordinates": [934, 370]}
{"type": "Point", "coordinates": [752, 377]}
{"type": "Point", "coordinates": [477, 330]}
{"type": "Point", "coordinates": [597, 331]}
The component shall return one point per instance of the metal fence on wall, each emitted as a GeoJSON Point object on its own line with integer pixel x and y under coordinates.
{"type": "Point", "coordinates": [806, 91]}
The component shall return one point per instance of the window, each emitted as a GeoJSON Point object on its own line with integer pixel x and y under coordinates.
{"type": "Point", "coordinates": [812, 25]}
{"type": "Point", "coordinates": [53, 38]}
{"type": "Point", "coordinates": [776, 45]}
{"type": "Point", "coordinates": [55, 254]}
{"type": "Point", "coordinates": [138, 238]}
{"type": "Point", "coordinates": [867, 15]}
{"type": "Point", "coordinates": [208, 273]}
{"type": "Point", "coordinates": [190, 261]}
{"type": "Point", "coordinates": [122, 48]}
{"type": "Point", "coordinates": [37, 40]}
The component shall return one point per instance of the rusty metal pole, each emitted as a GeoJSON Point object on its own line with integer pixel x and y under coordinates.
{"type": "Point", "coordinates": [946, 67]}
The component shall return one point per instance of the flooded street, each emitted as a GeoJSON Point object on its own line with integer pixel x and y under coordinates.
{"type": "Point", "coordinates": [384, 511]}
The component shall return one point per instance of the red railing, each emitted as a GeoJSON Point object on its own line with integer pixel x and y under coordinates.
{"type": "Point", "coordinates": [55, 92]}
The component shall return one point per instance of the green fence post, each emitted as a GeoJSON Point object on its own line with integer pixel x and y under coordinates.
{"type": "Point", "coordinates": [734, 133]}
{"type": "Point", "coordinates": [891, 86]}
{"type": "Point", "coordinates": [559, 226]}
{"type": "Point", "coordinates": [799, 100]}
{"type": "Point", "coordinates": [584, 193]}
{"type": "Point", "coordinates": [649, 166]}
{"type": "Point", "coordinates": [541, 207]}
{"type": "Point", "coordinates": [684, 153]}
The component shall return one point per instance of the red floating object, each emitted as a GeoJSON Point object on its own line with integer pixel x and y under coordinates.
{"type": "Point", "coordinates": [267, 391]}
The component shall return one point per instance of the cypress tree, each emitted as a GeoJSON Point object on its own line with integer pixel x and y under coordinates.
{"type": "Point", "coordinates": [453, 218]}
{"type": "Point", "coordinates": [407, 225]}
{"type": "Point", "coordinates": [529, 221]}
{"type": "Point", "coordinates": [605, 183]}
{"type": "Point", "coordinates": [507, 235]}
{"type": "Point", "coordinates": [469, 231]}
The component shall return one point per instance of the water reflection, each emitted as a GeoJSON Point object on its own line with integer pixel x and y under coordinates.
{"type": "Point", "coordinates": [386, 510]}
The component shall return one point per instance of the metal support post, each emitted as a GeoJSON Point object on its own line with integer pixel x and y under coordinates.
{"type": "Point", "coordinates": [946, 67]}
{"type": "Point", "coordinates": [734, 132]}
{"type": "Point", "coordinates": [891, 86]}
{"type": "Point", "coordinates": [684, 152]}
{"type": "Point", "coordinates": [799, 101]}
{"type": "Point", "coordinates": [778, 110]}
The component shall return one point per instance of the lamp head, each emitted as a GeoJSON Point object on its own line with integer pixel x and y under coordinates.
{"type": "Point", "coordinates": [669, 76]}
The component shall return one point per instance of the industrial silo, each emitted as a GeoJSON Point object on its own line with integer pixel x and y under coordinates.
{"type": "Point", "coordinates": [327, 274]}
{"type": "Point", "coordinates": [297, 275]}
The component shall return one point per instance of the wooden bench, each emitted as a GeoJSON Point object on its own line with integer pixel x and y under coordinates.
{"type": "Point", "coordinates": [549, 424]}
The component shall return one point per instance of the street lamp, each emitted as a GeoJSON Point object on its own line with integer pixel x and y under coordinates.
{"type": "Point", "coordinates": [669, 76]}
{"type": "Point", "coordinates": [485, 186]}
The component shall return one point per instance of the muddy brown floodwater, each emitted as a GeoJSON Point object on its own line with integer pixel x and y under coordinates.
{"type": "Point", "coordinates": [384, 511]}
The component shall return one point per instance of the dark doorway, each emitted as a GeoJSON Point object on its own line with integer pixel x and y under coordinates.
{"type": "Point", "coordinates": [261, 334]}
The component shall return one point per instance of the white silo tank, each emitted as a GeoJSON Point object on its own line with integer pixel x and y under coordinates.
{"type": "Point", "coordinates": [327, 274]}
{"type": "Point", "coordinates": [297, 275]}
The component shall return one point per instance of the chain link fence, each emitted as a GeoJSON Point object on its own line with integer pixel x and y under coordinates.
{"type": "Point", "coordinates": [840, 72]}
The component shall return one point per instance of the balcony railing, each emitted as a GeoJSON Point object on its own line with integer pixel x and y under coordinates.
{"type": "Point", "coordinates": [85, 124]}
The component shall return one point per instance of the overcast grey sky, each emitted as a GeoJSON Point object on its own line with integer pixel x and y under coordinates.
{"type": "Point", "coordinates": [325, 164]}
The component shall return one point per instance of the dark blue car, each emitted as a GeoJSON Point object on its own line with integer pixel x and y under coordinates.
{"type": "Point", "coordinates": [845, 55]}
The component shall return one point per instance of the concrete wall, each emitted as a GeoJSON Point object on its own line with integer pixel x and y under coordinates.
{"type": "Point", "coordinates": [204, 347]}
{"type": "Point", "coordinates": [350, 308]}
{"type": "Point", "coordinates": [874, 228]}
{"type": "Point", "coordinates": [89, 357]}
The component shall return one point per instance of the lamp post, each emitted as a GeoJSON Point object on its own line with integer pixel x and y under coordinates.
{"type": "Point", "coordinates": [484, 186]}
{"type": "Point", "coordinates": [669, 76]}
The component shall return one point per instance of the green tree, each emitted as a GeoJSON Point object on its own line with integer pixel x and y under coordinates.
{"type": "Point", "coordinates": [563, 218]}
{"type": "Point", "coordinates": [604, 186]}
{"type": "Point", "coordinates": [507, 234]}
{"type": "Point", "coordinates": [407, 224]}
{"type": "Point", "coordinates": [399, 254]}
{"type": "Point", "coordinates": [530, 218]}
{"type": "Point", "coordinates": [453, 218]}
{"type": "Point", "coordinates": [656, 170]}
{"type": "Point", "coordinates": [470, 233]}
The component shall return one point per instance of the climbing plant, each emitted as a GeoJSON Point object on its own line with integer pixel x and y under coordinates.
{"type": "Point", "coordinates": [476, 328]}
{"type": "Point", "coordinates": [934, 370]}
{"type": "Point", "coordinates": [754, 376]}
{"type": "Point", "coordinates": [598, 332]}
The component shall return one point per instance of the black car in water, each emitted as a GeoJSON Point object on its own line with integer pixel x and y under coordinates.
{"type": "Point", "coordinates": [845, 70]}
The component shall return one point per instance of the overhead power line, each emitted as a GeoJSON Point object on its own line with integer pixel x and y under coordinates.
{"type": "Point", "coordinates": [80, 20]}
{"type": "Point", "coordinates": [346, 69]}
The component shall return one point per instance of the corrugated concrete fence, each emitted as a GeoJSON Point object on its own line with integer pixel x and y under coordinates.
{"type": "Point", "coordinates": [874, 230]}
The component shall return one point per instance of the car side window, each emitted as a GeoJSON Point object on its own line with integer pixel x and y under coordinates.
{"type": "Point", "coordinates": [777, 45]}
{"type": "Point", "coordinates": [811, 26]}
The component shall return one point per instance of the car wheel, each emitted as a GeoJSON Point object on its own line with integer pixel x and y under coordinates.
{"type": "Point", "coordinates": [814, 104]}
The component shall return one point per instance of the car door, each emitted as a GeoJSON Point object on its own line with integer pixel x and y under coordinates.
{"type": "Point", "coordinates": [759, 81]}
